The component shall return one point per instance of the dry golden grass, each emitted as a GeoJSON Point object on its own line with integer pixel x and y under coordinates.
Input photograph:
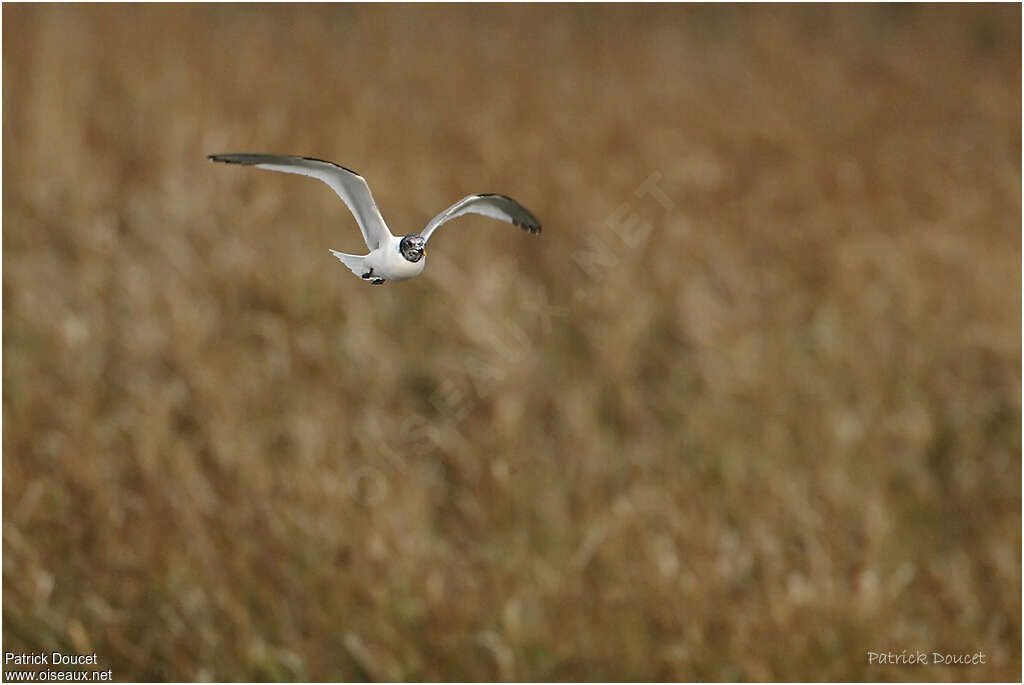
{"type": "Point", "coordinates": [750, 424]}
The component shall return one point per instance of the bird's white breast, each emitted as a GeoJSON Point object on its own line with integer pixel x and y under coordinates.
{"type": "Point", "coordinates": [394, 266]}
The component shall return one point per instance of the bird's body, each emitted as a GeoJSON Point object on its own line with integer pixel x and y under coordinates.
{"type": "Point", "coordinates": [385, 262]}
{"type": "Point", "coordinates": [391, 258]}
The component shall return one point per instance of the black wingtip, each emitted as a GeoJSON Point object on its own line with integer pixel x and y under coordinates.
{"type": "Point", "coordinates": [530, 224]}
{"type": "Point", "coordinates": [530, 228]}
{"type": "Point", "coordinates": [525, 219]}
{"type": "Point", "coordinates": [242, 158]}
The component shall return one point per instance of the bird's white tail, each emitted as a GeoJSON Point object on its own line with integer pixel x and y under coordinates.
{"type": "Point", "coordinates": [355, 263]}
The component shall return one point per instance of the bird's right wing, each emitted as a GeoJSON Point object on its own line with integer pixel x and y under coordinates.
{"type": "Point", "coordinates": [350, 187]}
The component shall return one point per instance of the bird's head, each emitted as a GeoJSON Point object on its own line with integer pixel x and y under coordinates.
{"type": "Point", "coordinates": [413, 247]}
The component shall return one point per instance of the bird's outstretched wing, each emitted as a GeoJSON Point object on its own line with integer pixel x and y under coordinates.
{"type": "Point", "coordinates": [494, 206]}
{"type": "Point", "coordinates": [350, 187]}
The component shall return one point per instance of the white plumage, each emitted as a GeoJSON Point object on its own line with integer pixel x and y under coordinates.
{"type": "Point", "coordinates": [391, 258]}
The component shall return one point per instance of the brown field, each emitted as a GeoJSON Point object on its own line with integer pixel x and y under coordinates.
{"type": "Point", "coordinates": [749, 408]}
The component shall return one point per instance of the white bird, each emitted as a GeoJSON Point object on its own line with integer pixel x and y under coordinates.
{"type": "Point", "coordinates": [391, 258]}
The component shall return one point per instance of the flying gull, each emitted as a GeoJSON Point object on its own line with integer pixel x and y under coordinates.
{"type": "Point", "coordinates": [391, 258]}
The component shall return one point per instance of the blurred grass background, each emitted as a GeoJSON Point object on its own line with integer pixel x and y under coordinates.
{"type": "Point", "coordinates": [748, 409]}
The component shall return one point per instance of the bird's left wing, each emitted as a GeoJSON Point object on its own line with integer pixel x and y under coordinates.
{"type": "Point", "coordinates": [494, 206]}
{"type": "Point", "coordinates": [350, 187]}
